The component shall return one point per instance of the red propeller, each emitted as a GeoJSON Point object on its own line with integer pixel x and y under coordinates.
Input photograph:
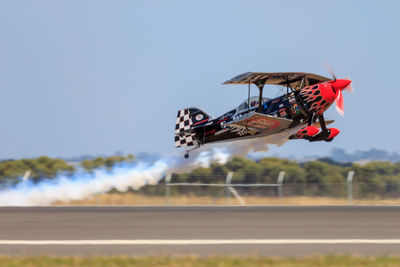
{"type": "Point", "coordinates": [339, 103]}
{"type": "Point", "coordinates": [338, 86]}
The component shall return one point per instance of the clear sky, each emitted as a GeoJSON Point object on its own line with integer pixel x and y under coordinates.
{"type": "Point", "coordinates": [95, 77]}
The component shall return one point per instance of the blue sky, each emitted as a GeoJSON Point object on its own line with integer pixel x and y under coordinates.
{"type": "Point", "coordinates": [95, 77]}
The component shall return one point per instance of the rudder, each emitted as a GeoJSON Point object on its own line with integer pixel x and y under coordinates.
{"type": "Point", "coordinates": [186, 119]}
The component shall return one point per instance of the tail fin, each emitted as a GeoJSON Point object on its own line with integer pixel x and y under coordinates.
{"type": "Point", "coordinates": [185, 121]}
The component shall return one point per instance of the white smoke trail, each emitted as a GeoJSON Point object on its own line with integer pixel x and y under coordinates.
{"type": "Point", "coordinates": [243, 148]}
{"type": "Point", "coordinates": [122, 178]}
{"type": "Point", "coordinates": [64, 188]}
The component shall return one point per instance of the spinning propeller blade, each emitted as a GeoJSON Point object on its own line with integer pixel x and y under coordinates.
{"type": "Point", "coordinates": [339, 103]}
{"type": "Point", "coordinates": [330, 71]}
{"type": "Point", "coordinates": [339, 85]}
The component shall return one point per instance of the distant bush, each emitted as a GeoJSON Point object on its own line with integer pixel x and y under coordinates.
{"type": "Point", "coordinates": [43, 167]}
{"type": "Point", "coordinates": [108, 162]}
{"type": "Point", "coordinates": [40, 168]}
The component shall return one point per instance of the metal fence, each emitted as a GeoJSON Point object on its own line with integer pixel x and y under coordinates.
{"type": "Point", "coordinates": [223, 190]}
{"type": "Point", "coordinates": [230, 188]}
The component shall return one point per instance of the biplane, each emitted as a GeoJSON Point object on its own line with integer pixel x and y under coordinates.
{"type": "Point", "coordinates": [306, 99]}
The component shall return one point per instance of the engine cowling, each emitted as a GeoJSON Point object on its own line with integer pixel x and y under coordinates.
{"type": "Point", "coordinates": [318, 98]}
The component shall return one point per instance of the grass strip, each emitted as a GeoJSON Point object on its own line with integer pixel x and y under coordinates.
{"type": "Point", "coordinates": [139, 199]}
{"type": "Point", "coordinates": [116, 261]}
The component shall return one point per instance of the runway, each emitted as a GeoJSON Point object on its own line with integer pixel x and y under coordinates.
{"type": "Point", "coordinates": [219, 230]}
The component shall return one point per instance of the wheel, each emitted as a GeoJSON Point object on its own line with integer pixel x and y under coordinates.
{"type": "Point", "coordinates": [329, 140]}
{"type": "Point", "coordinates": [186, 155]}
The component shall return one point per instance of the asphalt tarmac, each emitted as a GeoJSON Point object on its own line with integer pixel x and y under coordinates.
{"type": "Point", "coordinates": [204, 231]}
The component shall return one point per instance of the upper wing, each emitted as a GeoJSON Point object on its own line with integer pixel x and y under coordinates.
{"type": "Point", "coordinates": [296, 80]}
{"type": "Point", "coordinates": [262, 123]}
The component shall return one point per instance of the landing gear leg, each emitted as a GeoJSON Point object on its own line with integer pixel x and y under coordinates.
{"type": "Point", "coordinates": [322, 123]}
{"type": "Point", "coordinates": [324, 134]}
{"type": "Point", "coordinates": [311, 118]}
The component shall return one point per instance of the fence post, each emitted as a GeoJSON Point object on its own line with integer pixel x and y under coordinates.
{"type": "Point", "coordinates": [281, 176]}
{"type": "Point", "coordinates": [350, 176]}
{"type": "Point", "coordinates": [228, 182]}
{"type": "Point", "coordinates": [27, 175]}
{"type": "Point", "coordinates": [167, 188]}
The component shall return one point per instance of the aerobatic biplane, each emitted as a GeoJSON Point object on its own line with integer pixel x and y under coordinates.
{"type": "Point", "coordinates": [306, 99]}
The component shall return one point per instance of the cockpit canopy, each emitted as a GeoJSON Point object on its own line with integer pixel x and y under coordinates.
{"type": "Point", "coordinates": [253, 103]}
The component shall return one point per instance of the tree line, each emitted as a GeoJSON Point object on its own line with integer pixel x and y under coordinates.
{"type": "Point", "coordinates": [43, 167]}
{"type": "Point", "coordinates": [322, 177]}
{"type": "Point", "coordinates": [318, 177]}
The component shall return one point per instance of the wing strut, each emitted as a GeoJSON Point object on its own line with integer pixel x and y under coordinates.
{"type": "Point", "coordinates": [260, 85]}
{"type": "Point", "coordinates": [248, 98]}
